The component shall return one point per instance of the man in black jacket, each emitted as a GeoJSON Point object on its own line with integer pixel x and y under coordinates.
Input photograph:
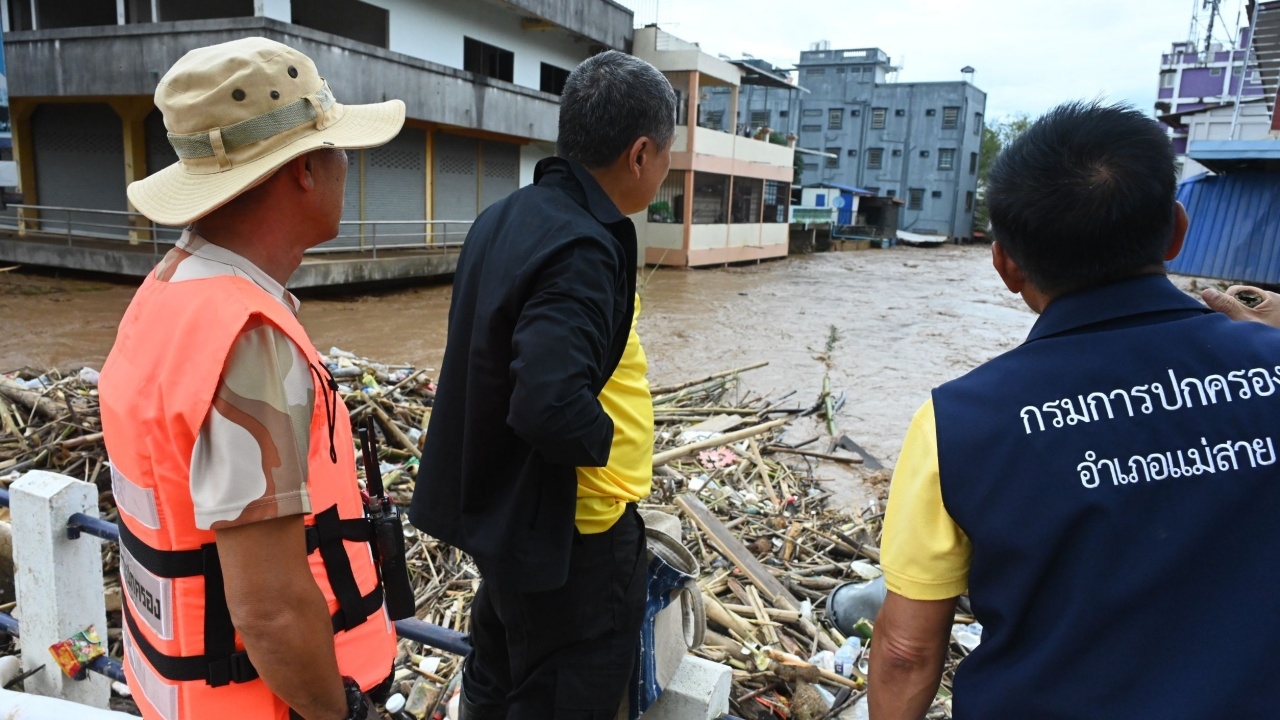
{"type": "Point", "coordinates": [541, 437]}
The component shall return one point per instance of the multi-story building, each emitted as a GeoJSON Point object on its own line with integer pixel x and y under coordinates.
{"type": "Point", "coordinates": [480, 79]}
{"type": "Point", "coordinates": [915, 141]}
{"type": "Point", "coordinates": [1200, 86]}
{"type": "Point", "coordinates": [727, 196]}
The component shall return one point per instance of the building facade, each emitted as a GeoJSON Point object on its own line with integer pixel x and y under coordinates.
{"type": "Point", "coordinates": [1195, 80]}
{"type": "Point", "coordinates": [727, 196]}
{"type": "Point", "coordinates": [480, 79]}
{"type": "Point", "coordinates": [915, 141]}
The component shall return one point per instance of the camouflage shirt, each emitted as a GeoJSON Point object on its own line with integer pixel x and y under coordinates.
{"type": "Point", "coordinates": [250, 458]}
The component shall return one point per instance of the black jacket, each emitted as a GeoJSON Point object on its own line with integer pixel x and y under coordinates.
{"type": "Point", "coordinates": [542, 306]}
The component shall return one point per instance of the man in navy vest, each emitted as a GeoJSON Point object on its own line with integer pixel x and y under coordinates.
{"type": "Point", "coordinates": [1107, 492]}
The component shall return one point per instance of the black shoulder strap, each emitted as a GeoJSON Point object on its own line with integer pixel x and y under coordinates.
{"type": "Point", "coordinates": [221, 664]}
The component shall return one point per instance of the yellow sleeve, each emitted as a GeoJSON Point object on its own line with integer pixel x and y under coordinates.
{"type": "Point", "coordinates": [924, 554]}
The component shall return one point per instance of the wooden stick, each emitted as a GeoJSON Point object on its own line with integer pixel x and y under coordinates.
{"type": "Point", "coordinates": [19, 393]}
{"type": "Point", "coordinates": [389, 427]}
{"type": "Point", "coordinates": [810, 453]}
{"type": "Point", "coordinates": [716, 376]}
{"type": "Point", "coordinates": [663, 458]}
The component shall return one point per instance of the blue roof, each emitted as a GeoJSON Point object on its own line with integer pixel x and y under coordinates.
{"type": "Point", "coordinates": [844, 188]}
{"type": "Point", "coordinates": [1235, 227]}
{"type": "Point", "coordinates": [1201, 150]}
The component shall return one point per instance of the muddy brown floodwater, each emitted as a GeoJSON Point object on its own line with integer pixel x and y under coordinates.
{"type": "Point", "coordinates": [886, 325]}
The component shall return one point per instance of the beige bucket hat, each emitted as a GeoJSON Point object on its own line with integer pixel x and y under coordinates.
{"type": "Point", "coordinates": [235, 113]}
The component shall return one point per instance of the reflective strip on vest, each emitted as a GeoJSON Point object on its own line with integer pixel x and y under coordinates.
{"type": "Point", "coordinates": [162, 696]}
{"type": "Point", "coordinates": [152, 596]}
{"type": "Point", "coordinates": [138, 502]}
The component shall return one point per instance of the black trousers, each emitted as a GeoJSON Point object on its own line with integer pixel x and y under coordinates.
{"type": "Point", "coordinates": [566, 653]}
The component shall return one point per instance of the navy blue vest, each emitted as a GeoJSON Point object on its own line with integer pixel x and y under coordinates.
{"type": "Point", "coordinates": [1117, 476]}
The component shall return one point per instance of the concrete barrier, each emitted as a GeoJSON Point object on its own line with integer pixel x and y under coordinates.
{"type": "Point", "coordinates": [59, 581]}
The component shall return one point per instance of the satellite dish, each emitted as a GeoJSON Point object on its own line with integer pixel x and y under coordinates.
{"type": "Point", "coordinates": [838, 202]}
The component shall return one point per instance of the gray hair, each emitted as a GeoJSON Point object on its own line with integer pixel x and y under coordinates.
{"type": "Point", "coordinates": [610, 101]}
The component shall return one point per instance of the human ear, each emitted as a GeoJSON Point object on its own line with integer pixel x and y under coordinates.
{"type": "Point", "coordinates": [1008, 270]}
{"type": "Point", "coordinates": [1180, 224]}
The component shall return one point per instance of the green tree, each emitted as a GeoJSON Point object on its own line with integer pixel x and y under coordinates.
{"type": "Point", "coordinates": [996, 136]}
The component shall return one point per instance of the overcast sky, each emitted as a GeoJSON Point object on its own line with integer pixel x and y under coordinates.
{"type": "Point", "coordinates": [1029, 54]}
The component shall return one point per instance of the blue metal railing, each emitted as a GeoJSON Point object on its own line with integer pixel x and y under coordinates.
{"type": "Point", "coordinates": [441, 638]}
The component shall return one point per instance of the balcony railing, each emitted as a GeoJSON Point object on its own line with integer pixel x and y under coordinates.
{"type": "Point", "coordinates": [125, 230]}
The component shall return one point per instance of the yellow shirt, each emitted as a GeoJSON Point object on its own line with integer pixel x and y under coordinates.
{"type": "Point", "coordinates": [924, 554]}
{"type": "Point", "coordinates": [603, 492]}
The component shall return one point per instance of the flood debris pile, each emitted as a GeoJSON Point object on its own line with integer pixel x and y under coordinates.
{"type": "Point", "coordinates": [736, 467]}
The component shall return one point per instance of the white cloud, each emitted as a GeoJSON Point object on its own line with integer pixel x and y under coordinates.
{"type": "Point", "coordinates": [1029, 54]}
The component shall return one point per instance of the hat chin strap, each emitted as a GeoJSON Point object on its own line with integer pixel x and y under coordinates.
{"type": "Point", "coordinates": [312, 108]}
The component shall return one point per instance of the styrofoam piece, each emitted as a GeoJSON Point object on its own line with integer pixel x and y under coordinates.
{"type": "Point", "coordinates": [22, 706]}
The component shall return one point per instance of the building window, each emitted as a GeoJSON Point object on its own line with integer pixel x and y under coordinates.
{"type": "Point", "coordinates": [1215, 72]}
{"type": "Point", "coordinates": [930, 112]}
{"type": "Point", "coordinates": [352, 19]}
{"type": "Point", "coordinates": [973, 163]}
{"type": "Point", "coordinates": [714, 120]}
{"type": "Point", "coordinates": [810, 167]}
{"type": "Point", "coordinates": [873, 190]}
{"type": "Point", "coordinates": [855, 113]}
{"type": "Point", "coordinates": [977, 124]}
{"type": "Point", "coordinates": [710, 199]}
{"type": "Point", "coordinates": [810, 128]}
{"type": "Point", "coordinates": [668, 203]}
{"type": "Point", "coordinates": [897, 152]}
{"type": "Point", "coordinates": [878, 117]}
{"type": "Point", "coordinates": [485, 59]}
{"type": "Point", "coordinates": [875, 158]}
{"type": "Point", "coordinates": [936, 194]}
{"type": "Point", "coordinates": [812, 112]}
{"type": "Point", "coordinates": [890, 192]}
{"type": "Point", "coordinates": [968, 202]}
{"type": "Point", "coordinates": [946, 159]}
{"type": "Point", "coordinates": [950, 118]}
{"type": "Point", "coordinates": [833, 162]}
{"type": "Point", "coordinates": [783, 113]}
{"type": "Point", "coordinates": [1237, 71]}
{"type": "Point", "coordinates": [835, 118]}
{"type": "Point", "coordinates": [760, 118]}
{"type": "Point", "coordinates": [924, 153]}
{"type": "Point", "coordinates": [853, 152]}
{"type": "Point", "coordinates": [839, 71]}
{"type": "Point", "coordinates": [747, 194]}
{"type": "Point", "coordinates": [553, 79]}
{"type": "Point", "coordinates": [915, 199]}
{"type": "Point", "coordinates": [899, 113]}
{"type": "Point", "coordinates": [777, 199]}
{"type": "Point", "coordinates": [815, 72]}
{"type": "Point", "coordinates": [1166, 79]}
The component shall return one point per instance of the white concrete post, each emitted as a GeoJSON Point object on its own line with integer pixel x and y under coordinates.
{"type": "Point", "coordinates": [699, 691]}
{"type": "Point", "coordinates": [59, 581]}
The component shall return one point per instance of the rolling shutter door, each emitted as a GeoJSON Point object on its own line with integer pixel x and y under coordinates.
{"type": "Point", "coordinates": [395, 187]}
{"type": "Point", "coordinates": [501, 171]}
{"type": "Point", "coordinates": [455, 196]}
{"type": "Point", "coordinates": [79, 159]}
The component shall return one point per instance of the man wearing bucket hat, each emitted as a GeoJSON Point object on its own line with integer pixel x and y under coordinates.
{"type": "Point", "coordinates": [244, 550]}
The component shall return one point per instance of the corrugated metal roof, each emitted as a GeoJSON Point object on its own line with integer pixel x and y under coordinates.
{"type": "Point", "coordinates": [1235, 227]}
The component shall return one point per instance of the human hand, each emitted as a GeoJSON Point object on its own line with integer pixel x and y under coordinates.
{"type": "Point", "coordinates": [1266, 312]}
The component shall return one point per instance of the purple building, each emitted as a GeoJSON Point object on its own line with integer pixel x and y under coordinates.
{"type": "Point", "coordinates": [1192, 79]}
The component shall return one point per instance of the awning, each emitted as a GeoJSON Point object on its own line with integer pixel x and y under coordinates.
{"type": "Point", "coordinates": [844, 188]}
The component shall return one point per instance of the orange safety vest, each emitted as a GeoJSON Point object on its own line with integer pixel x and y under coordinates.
{"type": "Point", "coordinates": [183, 658]}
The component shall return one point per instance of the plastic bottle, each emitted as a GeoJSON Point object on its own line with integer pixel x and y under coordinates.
{"type": "Point", "coordinates": [847, 656]}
